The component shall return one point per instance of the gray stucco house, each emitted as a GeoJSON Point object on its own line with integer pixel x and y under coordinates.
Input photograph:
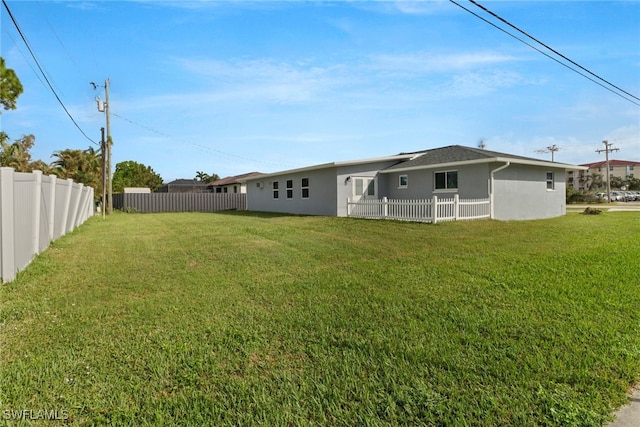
{"type": "Point", "coordinates": [519, 187]}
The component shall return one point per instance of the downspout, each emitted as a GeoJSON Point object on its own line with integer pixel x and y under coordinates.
{"type": "Point", "coordinates": [506, 165]}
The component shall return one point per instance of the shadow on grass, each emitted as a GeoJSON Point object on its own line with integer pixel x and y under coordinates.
{"type": "Point", "coordinates": [259, 214]}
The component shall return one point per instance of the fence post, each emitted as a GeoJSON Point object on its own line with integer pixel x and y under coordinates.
{"type": "Point", "coordinates": [51, 220]}
{"type": "Point", "coordinates": [348, 206]}
{"type": "Point", "coordinates": [65, 206]}
{"type": "Point", "coordinates": [456, 207]}
{"type": "Point", "coordinates": [434, 209]}
{"type": "Point", "coordinates": [385, 208]}
{"type": "Point", "coordinates": [37, 211]}
{"type": "Point", "coordinates": [76, 191]}
{"type": "Point", "coordinates": [7, 244]}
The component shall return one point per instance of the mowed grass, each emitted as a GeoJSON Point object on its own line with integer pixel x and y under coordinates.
{"type": "Point", "coordinates": [244, 318]}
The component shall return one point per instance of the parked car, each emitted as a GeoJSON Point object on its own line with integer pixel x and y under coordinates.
{"type": "Point", "coordinates": [616, 196]}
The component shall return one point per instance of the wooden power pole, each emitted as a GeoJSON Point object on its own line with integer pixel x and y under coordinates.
{"type": "Point", "coordinates": [608, 149]}
{"type": "Point", "coordinates": [109, 143]}
{"type": "Point", "coordinates": [103, 107]}
{"type": "Point", "coordinates": [103, 147]}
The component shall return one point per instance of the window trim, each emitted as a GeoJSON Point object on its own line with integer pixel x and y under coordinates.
{"type": "Point", "coordinates": [446, 189]}
{"type": "Point", "coordinates": [289, 187]}
{"type": "Point", "coordinates": [551, 182]}
{"type": "Point", "coordinates": [276, 190]}
{"type": "Point", "coordinates": [406, 181]}
{"type": "Point", "coordinates": [304, 188]}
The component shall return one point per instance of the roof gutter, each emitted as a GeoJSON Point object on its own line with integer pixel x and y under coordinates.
{"type": "Point", "coordinates": [506, 165]}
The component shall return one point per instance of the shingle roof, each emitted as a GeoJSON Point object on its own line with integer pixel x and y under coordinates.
{"type": "Point", "coordinates": [233, 179]}
{"type": "Point", "coordinates": [455, 154]}
{"type": "Point", "coordinates": [184, 182]}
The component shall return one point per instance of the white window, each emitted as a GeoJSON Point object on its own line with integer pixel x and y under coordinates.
{"type": "Point", "coordinates": [403, 181]}
{"type": "Point", "coordinates": [446, 180]}
{"type": "Point", "coordinates": [305, 188]}
{"type": "Point", "coordinates": [364, 187]}
{"type": "Point", "coordinates": [550, 181]}
{"type": "Point", "coordinates": [289, 189]}
{"type": "Point", "coordinates": [276, 193]}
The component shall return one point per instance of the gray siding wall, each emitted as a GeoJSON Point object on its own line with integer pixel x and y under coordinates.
{"type": "Point", "coordinates": [328, 190]}
{"type": "Point", "coordinates": [473, 183]}
{"type": "Point", "coordinates": [368, 170]}
{"type": "Point", "coordinates": [521, 193]}
{"type": "Point", "coordinates": [321, 200]}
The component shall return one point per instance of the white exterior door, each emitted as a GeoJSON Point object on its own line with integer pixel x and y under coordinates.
{"type": "Point", "coordinates": [364, 188]}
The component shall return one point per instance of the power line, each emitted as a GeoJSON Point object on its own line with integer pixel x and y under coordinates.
{"type": "Point", "coordinates": [551, 49]}
{"type": "Point", "coordinates": [200, 146]}
{"type": "Point", "coordinates": [35, 73]}
{"type": "Point", "coordinates": [544, 53]}
{"type": "Point", "coordinates": [24, 39]}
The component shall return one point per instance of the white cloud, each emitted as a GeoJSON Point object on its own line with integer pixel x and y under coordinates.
{"type": "Point", "coordinates": [427, 62]}
{"type": "Point", "coordinates": [478, 84]}
{"type": "Point", "coordinates": [413, 7]}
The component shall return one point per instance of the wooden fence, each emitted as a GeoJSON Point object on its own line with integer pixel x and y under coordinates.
{"type": "Point", "coordinates": [36, 209]}
{"type": "Point", "coordinates": [421, 210]}
{"type": "Point", "coordinates": [179, 202]}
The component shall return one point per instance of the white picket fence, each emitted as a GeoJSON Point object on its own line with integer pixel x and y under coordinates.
{"type": "Point", "coordinates": [421, 210]}
{"type": "Point", "coordinates": [36, 209]}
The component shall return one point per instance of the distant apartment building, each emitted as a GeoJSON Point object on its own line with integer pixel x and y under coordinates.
{"type": "Point", "coordinates": [597, 172]}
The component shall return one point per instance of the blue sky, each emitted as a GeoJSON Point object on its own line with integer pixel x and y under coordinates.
{"type": "Point", "coordinates": [230, 87]}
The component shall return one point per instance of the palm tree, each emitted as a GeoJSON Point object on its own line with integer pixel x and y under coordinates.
{"type": "Point", "coordinates": [83, 166]}
{"type": "Point", "coordinates": [16, 155]}
{"type": "Point", "coordinates": [202, 176]}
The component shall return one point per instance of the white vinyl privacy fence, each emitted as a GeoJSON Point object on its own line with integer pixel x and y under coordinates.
{"type": "Point", "coordinates": [421, 210]}
{"type": "Point", "coordinates": [36, 209]}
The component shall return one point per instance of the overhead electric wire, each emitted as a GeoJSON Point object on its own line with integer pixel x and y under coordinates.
{"type": "Point", "coordinates": [24, 39]}
{"type": "Point", "coordinates": [200, 146]}
{"type": "Point", "coordinates": [551, 49]}
{"type": "Point", "coordinates": [543, 53]}
{"type": "Point", "coordinates": [35, 73]}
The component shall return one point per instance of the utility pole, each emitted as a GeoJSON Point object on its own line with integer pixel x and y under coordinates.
{"type": "Point", "coordinates": [109, 143]}
{"type": "Point", "coordinates": [103, 107]}
{"type": "Point", "coordinates": [608, 149]}
{"type": "Point", "coordinates": [103, 148]}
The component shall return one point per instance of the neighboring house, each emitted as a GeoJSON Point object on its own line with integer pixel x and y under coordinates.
{"type": "Point", "coordinates": [519, 187]}
{"type": "Point", "coordinates": [231, 184]}
{"type": "Point", "coordinates": [183, 186]}
{"type": "Point", "coordinates": [582, 179]}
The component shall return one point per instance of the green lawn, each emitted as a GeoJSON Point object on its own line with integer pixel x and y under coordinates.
{"type": "Point", "coordinates": [240, 318]}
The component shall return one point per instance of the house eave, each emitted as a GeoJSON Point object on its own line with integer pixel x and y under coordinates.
{"type": "Point", "coordinates": [487, 160]}
{"type": "Point", "coordinates": [398, 157]}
